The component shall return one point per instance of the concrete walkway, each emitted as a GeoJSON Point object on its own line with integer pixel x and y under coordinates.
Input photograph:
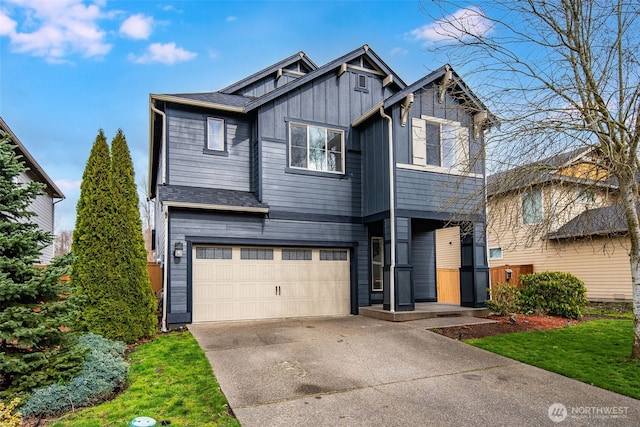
{"type": "Point", "coordinates": [358, 371]}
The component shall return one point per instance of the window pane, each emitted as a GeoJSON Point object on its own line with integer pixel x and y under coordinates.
{"type": "Point", "coordinates": [495, 253]}
{"type": "Point", "coordinates": [432, 134]}
{"type": "Point", "coordinates": [449, 143]}
{"type": "Point", "coordinates": [215, 135]}
{"type": "Point", "coordinates": [532, 207]}
{"type": "Point", "coordinates": [334, 146]}
{"type": "Point", "coordinates": [317, 148]}
{"type": "Point", "coordinates": [298, 147]}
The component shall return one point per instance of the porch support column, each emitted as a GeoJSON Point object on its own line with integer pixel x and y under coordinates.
{"type": "Point", "coordinates": [474, 270]}
{"type": "Point", "coordinates": [403, 300]}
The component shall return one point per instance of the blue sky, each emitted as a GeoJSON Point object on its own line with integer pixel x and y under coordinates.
{"type": "Point", "coordinates": [71, 67]}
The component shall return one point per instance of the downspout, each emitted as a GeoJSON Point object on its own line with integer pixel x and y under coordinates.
{"type": "Point", "coordinates": [164, 141]}
{"type": "Point", "coordinates": [392, 216]}
{"type": "Point", "coordinates": [165, 276]}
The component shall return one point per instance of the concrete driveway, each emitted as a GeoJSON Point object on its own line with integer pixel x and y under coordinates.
{"type": "Point", "coordinates": [357, 371]}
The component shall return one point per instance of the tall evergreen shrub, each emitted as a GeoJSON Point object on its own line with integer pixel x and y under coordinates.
{"type": "Point", "coordinates": [139, 303]}
{"type": "Point", "coordinates": [110, 270]}
{"type": "Point", "coordinates": [36, 310]}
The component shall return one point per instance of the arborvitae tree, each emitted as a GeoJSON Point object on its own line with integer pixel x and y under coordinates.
{"type": "Point", "coordinates": [110, 269]}
{"type": "Point", "coordinates": [94, 267]}
{"type": "Point", "coordinates": [36, 311]}
{"type": "Point", "coordinates": [138, 314]}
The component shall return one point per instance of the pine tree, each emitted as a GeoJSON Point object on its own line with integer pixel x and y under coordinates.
{"type": "Point", "coordinates": [138, 302]}
{"type": "Point", "coordinates": [93, 271]}
{"type": "Point", "coordinates": [110, 270]}
{"type": "Point", "coordinates": [35, 310]}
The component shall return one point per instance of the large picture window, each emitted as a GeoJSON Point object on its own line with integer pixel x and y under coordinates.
{"type": "Point", "coordinates": [316, 148]}
{"type": "Point", "coordinates": [440, 143]}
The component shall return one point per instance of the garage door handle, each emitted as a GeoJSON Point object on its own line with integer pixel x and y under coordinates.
{"type": "Point", "coordinates": [278, 290]}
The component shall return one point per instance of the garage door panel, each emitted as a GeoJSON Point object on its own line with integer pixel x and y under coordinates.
{"type": "Point", "coordinates": [243, 289]}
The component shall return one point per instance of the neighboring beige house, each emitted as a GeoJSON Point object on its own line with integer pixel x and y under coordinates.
{"type": "Point", "coordinates": [43, 205]}
{"type": "Point", "coordinates": [560, 214]}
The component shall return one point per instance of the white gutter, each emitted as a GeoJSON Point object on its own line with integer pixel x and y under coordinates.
{"type": "Point", "coordinates": [164, 142]}
{"type": "Point", "coordinates": [165, 278]}
{"type": "Point", "coordinates": [392, 217]}
{"type": "Point", "coordinates": [197, 103]}
{"type": "Point", "coordinates": [212, 207]}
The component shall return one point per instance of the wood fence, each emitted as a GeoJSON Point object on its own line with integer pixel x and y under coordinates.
{"type": "Point", "coordinates": [501, 275]}
{"type": "Point", "coordinates": [155, 277]}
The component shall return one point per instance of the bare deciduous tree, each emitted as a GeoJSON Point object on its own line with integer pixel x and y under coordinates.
{"type": "Point", "coordinates": [147, 212]}
{"type": "Point", "coordinates": [62, 243]}
{"type": "Point", "coordinates": [560, 75]}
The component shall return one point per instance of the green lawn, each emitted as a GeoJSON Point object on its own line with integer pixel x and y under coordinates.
{"type": "Point", "coordinates": [596, 352]}
{"type": "Point", "coordinates": [170, 380]}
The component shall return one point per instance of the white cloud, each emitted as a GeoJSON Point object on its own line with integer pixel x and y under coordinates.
{"type": "Point", "coordinates": [231, 18]}
{"type": "Point", "coordinates": [464, 23]}
{"type": "Point", "coordinates": [399, 51]}
{"type": "Point", "coordinates": [137, 27]}
{"type": "Point", "coordinates": [167, 53]}
{"type": "Point", "coordinates": [54, 29]}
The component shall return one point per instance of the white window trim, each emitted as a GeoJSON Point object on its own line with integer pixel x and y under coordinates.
{"type": "Point", "coordinates": [216, 119]}
{"type": "Point", "coordinates": [501, 253]}
{"type": "Point", "coordinates": [342, 148]}
{"type": "Point", "coordinates": [462, 150]}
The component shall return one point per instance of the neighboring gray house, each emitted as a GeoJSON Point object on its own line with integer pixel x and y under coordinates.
{"type": "Point", "coordinates": [307, 191]}
{"type": "Point", "coordinates": [43, 205]}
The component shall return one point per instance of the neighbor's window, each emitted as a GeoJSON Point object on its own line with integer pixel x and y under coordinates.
{"type": "Point", "coordinates": [532, 207]}
{"type": "Point", "coordinates": [586, 197]}
{"type": "Point", "coordinates": [316, 148]}
{"type": "Point", "coordinates": [495, 253]}
{"type": "Point", "coordinates": [377, 263]}
{"type": "Point", "coordinates": [441, 143]}
{"type": "Point", "coordinates": [215, 134]}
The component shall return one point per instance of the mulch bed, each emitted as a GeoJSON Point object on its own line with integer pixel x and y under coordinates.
{"type": "Point", "coordinates": [505, 325]}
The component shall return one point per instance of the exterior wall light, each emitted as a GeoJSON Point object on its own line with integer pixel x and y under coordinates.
{"type": "Point", "coordinates": [178, 250]}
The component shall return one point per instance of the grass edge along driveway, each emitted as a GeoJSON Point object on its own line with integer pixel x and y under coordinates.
{"type": "Point", "coordinates": [170, 379]}
{"type": "Point", "coordinates": [596, 352]}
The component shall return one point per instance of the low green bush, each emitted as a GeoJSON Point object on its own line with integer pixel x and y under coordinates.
{"type": "Point", "coordinates": [505, 299]}
{"type": "Point", "coordinates": [553, 292]}
{"type": "Point", "coordinates": [104, 371]}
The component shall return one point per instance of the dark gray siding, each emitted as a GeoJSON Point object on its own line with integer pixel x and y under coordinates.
{"type": "Point", "coordinates": [375, 166]}
{"type": "Point", "coordinates": [437, 194]}
{"type": "Point", "coordinates": [423, 259]}
{"type": "Point", "coordinates": [188, 165]}
{"type": "Point", "coordinates": [223, 228]}
{"type": "Point", "coordinates": [267, 84]}
{"type": "Point", "coordinates": [325, 194]}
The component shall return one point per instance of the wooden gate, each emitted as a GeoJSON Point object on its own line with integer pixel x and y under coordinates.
{"type": "Point", "coordinates": [500, 275]}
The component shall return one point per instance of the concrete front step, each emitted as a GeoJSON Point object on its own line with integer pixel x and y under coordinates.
{"type": "Point", "coordinates": [427, 310]}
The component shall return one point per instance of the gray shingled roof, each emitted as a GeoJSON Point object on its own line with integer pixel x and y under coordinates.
{"type": "Point", "coordinates": [539, 172]}
{"type": "Point", "coordinates": [209, 196]}
{"type": "Point", "coordinates": [605, 221]}
{"type": "Point", "coordinates": [217, 98]}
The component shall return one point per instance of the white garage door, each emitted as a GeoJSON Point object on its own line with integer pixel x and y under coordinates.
{"type": "Point", "coordinates": [242, 283]}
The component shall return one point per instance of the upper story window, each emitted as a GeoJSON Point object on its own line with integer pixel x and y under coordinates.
{"type": "Point", "coordinates": [215, 134]}
{"type": "Point", "coordinates": [532, 206]}
{"type": "Point", "coordinates": [316, 148]}
{"type": "Point", "coordinates": [440, 143]}
{"type": "Point", "coordinates": [585, 197]}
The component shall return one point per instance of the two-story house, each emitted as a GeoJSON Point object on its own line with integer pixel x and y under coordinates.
{"type": "Point", "coordinates": [560, 214]}
{"type": "Point", "coordinates": [307, 190]}
{"type": "Point", "coordinates": [44, 204]}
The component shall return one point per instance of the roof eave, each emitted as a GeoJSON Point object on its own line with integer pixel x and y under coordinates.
{"type": "Point", "coordinates": [197, 103]}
